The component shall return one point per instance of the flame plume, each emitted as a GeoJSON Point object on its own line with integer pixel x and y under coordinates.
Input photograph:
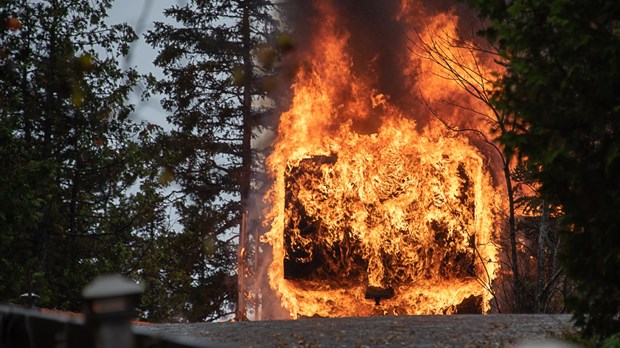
{"type": "Point", "coordinates": [364, 198]}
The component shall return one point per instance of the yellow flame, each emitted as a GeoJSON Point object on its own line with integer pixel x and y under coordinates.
{"type": "Point", "coordinates": [401, 208]}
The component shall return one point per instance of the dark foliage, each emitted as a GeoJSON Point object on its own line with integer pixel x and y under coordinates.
{"type": "Point", "coordinates": [78, 195]}
{"type": "Point", "coordinates": [562, 83]}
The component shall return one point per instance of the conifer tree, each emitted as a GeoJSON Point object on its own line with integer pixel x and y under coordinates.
{"type": "Point", "coordinates": [216, 59]}
{"type": "Point", "coordinates": [78, 193]}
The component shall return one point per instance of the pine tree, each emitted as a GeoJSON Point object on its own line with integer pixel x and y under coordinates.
{"type": "Point", "coordinates": [215, 60]}
{"type": "Point", "coordinates": [78, 195]}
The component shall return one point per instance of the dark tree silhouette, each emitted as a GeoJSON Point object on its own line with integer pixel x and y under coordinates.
{"type": "Point", "coordinates": [561, 83]}
{"type": "Point", "coordinates": [216, 59]}
{"type": "Point", "coordinates": [78, 194]}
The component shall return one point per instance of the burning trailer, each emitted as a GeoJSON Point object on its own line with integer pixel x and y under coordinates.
{"type": "Point", "coordinates": [374, 210]}
{"type": "Point", "coordinates": [397, 219]}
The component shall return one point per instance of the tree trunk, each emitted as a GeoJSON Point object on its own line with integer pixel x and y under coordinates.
{"type": "Point", "coordinates": [44, 230]}
{"type": "Point", "coordinates": [540, 262]}
{"type": "Point", "coordinates": [246, 148]}
{"type": "Point", "coordinates": [513, 239]}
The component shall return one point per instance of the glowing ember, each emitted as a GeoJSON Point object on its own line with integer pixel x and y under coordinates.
{"type": "Point", "coordinates": [396, 215]}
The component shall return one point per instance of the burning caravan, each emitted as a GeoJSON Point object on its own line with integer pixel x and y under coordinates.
{"type": "Point", "coordinates": [385, 225]}
{"type": "Point", "coordinates": [397, 220]}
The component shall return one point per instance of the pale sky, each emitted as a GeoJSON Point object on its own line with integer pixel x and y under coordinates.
{"type": "Point", "coordinates": [140, 14]}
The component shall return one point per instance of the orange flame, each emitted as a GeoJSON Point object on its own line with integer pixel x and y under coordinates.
{"type": "Point", "coordinates": [400, 208]}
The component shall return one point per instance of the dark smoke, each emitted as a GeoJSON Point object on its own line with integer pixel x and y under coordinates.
{"type": "Point", "coordinates": [377, 44]}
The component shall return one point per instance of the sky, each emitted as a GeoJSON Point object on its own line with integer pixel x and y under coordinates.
{"type": "Point", "coordinates": [141, 14]}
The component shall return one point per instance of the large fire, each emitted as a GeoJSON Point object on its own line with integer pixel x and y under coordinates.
{"type": "Point", "coordinates": [371, 213]}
